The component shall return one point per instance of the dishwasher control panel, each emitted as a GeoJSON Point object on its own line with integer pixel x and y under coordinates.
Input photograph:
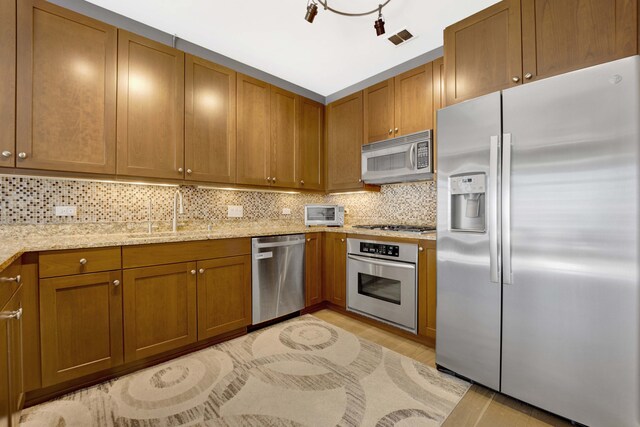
{"type": "Point", "coordinates": [379, 249]}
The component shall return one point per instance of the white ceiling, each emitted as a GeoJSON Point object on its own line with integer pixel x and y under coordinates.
{"type": "Point", "coordinates": [329, 55]}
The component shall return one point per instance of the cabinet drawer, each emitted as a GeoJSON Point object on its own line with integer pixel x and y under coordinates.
{"type": "Point", "coordinates": [10, 281]}
{"type": "Point", "coordinates": [63, 263]}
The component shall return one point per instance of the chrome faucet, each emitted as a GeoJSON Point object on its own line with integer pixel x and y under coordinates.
{"type": "Point", "coordinates": [178, 208]}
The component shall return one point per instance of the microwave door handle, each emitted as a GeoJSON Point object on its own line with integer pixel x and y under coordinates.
{"type": "Point", "coordinates": [381, 263]}
{"type": "Point", "coordinates": [412, 156]}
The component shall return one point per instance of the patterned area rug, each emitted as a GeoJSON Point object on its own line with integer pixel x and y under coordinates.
{"type": "Point", "coordinates": [300, 372]}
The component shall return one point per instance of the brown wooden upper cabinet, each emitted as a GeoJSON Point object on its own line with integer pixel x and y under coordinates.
{"type": "Point", "coordinates": [564, 35]}
{"type": "Point", "coordinates": [210, 121]}
{"type": "Point", "coordinates": [517, 41]}
{"type": "Point", "coordinates": [311, 144]}
{"type": "Point", "coordinates": [7, 82]}
{"type": "Point", "coordinates": [483, 53]}
{"type": "Point", "coordinates": [268, 153]}
{"type": "Point", "coordinates": [400, 105]}
{"type": "Point", "coordinates": [344, 143]}
{"type": "Point", "coordinates": [150, 108]}
{"type": "Point", "coordinates": [66, 86]}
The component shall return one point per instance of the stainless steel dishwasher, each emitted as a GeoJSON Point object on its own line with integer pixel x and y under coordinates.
{"type": "Point", "coordinates": [277, 273]}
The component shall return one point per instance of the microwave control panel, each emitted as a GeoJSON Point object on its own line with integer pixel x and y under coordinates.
{"type": "Point", "coordinates": [424, 156]}
{"type": "Point", "coordinates": [380, 249]}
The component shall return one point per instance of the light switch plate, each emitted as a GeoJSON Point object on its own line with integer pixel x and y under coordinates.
{"type": "Point", "coordinates": [235, 212]}
{"type": "Point", "coordinates": [286, 211]}
{"type": "Point", "coordinates": [66, 211]}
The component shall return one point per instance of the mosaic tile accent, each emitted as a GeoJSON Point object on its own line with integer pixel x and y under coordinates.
{"type": "Point", "coordinates": [31, 200]}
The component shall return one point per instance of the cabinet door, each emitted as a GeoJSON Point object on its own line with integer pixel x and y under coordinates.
{"type": "Point", "coordinates": [561, 36]}
{"type": "Point", "coordinates": [427, 290]}
{"type": "Point", "coordinates": [335, 277]}
{"type": "Point", "coordinates": [344, 143]}
{"type": "Point", "coordinates": [438, 103]}
{"type": "Point", "coordinates": [7, 86]}
{"type": "Point", "coordinates": [224, 295]}
{"type": "Point", "coordinates": [4, 370]}
{"type": "Point", "coordinates": [150, 108]}
{"type": "Point", "coordinates": [310, 144]}
{"type": "Point", "coordinates": [80, 325]}
{"type": "Point", "coordinates": [210, 121]}
{"type": "Point", "coordinates": [284, 150]}
{"type": "Point", "coordinates": [313, 269]}
{"type": "Point", "coordinates": [159, 309]}
{"type": "Point", "coordinates": [378, 112]}
{"type": "Point", "coordinates": [254, 140]}
{"type": "Point", "coordinates": [66, 79]}
{"type": "Point", "coordinates": [483, 53]}
{"type": "Point", "coordinates": [414, 100]}
{"type": "Point", "coordinates": [13, 310]}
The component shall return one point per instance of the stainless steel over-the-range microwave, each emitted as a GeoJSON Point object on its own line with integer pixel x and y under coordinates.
{"type": "Point", "coordinates": [402, 159]}
{"type": "Point", "coordinates": [327, 215]}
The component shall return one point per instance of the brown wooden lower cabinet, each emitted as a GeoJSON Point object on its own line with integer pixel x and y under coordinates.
{"type": "Point", "coordinates": [11, 379]}
{"type": "Point", "coordinates": [159, 309]}
{"type": "Point", "coordinates": [335, 268]}
{"type": "Point", "coordinates": [80, 325]}
{"type": "Point", "coordinates": [427, 289]}
{"type": "Point", "coordinates": [224, 295]}
{"type": "Point", "coordinates": [313, 269]}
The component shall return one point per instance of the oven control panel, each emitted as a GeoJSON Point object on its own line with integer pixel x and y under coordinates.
{"type": "Point", "coordinates": [379, 249]}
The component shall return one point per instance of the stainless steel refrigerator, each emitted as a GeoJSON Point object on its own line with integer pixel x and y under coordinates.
{"type": "Point", "coordinates": [538, 243]}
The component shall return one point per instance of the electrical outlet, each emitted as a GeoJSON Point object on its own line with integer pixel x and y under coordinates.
{"type": "Point", "coordinates": [66, 211]}
{"type": "Point", "coordinates": [235, 212]}
{"type": "Point", "coordinates": [286, 211]}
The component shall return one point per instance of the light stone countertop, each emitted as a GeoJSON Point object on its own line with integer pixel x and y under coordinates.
{"type": "Point", "coordinates": [17, 240]}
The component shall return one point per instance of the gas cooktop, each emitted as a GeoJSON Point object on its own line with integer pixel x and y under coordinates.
{"type": "Point", "coordinates": [397, 227]}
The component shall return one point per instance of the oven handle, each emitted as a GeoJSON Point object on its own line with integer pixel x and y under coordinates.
{"type": "Point", "coordinates": [382, 263]}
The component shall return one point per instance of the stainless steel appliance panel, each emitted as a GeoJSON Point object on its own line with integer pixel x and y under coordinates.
{"type": "Point", "coordinates": [469, 290]}
{"type": "Point", "coordinates": [571, 299]}
{"type": "Point", "coordinates": [278, 286]}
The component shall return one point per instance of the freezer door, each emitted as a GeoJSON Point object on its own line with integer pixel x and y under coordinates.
{"type": "Point", "coordinates": [571, 324]}
{"type": "Point", "coordinates": [469, 295]}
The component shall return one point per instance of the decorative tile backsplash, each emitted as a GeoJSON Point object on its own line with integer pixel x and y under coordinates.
{"type": "Point", "coordinates": [30, 200]}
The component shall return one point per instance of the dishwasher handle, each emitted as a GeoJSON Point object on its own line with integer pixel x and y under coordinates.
{"type": "Point", "coordinates": [279, 244]}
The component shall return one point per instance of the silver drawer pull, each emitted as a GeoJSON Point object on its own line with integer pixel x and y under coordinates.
{"type": "Point", "coordinates": [17, 279]}
{"type": "Point", "coordinates": [116, 283]}
{"type": "Point", "coordinates": [201, 271]}
{"type": "Point", "coordinates": [12, 314]}
{"type": "Point", "coordinates": [83, 261]}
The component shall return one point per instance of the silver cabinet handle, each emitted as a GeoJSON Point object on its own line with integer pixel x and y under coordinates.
{"type": "Point", "coordinates": [397, 130]}
{"type": "Point", "coordinates": [507, 278]}
{"type": "Point", "coordinates": [301, 182]}
{"type": "Point", "coordinates": [17, 279]}
{"type": "Point", "coordinates": [201, 271]}
{"type": "Point", "coordinates": [268, 179]}
{"type": "Point", "coordinates": [420, 248]}
{"type": "Point", "coordinates": [189, 171]}
{"type": "Point", "coordinates": [7, 153]}
{"type": "Point", "coordinates": [360, 180]}
{"type": "Point", "coordinates": [83, 261]}
{"type": "Point", "coordinates": [390, 131]}
{"type": "Point", "coordinates": [308, 239]}
{"type": "Point", "coordinates": [12, 314]}
{"type": "Point", "coordinates": [22, 155]}
{"type": "Point", "coordinates": [273, 179]}
{"type": "Point", "coordinates": [493, 209]}
{"type": "Point", "coordinates": [116, 283]}
{"type": "Point", "coordinates": [193, 272]}
{"type": "Point", "coordinates": [342, 240]}
{"type": "Point", "coordinates": [515, 79]}
{"type": "Point", "coordinates": [528, 76]}
{"type": "Point", "coordinates": [180, 170]}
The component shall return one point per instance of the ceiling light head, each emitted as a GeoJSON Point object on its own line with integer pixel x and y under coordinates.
{"type": "Point", "coordinates": [379, 24]}
{"type": "Point", "coordinates": [312, 11]}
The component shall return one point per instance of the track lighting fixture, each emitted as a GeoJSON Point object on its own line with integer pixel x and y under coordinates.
{"type": "Point", "coordinates": [312, 11]}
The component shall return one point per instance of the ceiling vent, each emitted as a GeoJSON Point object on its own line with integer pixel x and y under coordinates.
{"type": "Point", "coordinates": [401, 37]}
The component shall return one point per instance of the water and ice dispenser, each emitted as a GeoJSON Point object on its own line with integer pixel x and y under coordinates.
{"type": "Point", "coordinates": [467, 204]}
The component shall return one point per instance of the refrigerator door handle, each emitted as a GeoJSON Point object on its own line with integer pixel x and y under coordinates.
{"type": "Point", "coordinates": [507, 278]}
{"type": "Point", "coordinates": [494, 209]}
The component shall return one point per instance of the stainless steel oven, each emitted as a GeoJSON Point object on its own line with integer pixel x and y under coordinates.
{"type": "Point", "coordinates": [382, 280]}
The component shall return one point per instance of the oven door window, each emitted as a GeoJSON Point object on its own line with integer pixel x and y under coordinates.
{"type": "Point", "coordinates": [380, 288]}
